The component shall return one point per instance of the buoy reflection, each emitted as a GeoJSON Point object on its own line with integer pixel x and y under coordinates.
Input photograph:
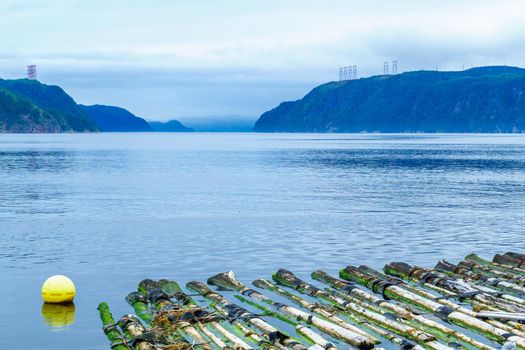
{"type": "Point", "coordinates": [58, 315]}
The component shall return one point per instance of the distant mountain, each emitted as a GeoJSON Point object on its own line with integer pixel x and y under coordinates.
{"type": "Point", "coordinates": [115, 119]}
{"type": "Point", "coordinates": [170, 126]}
{"type": "Point", "coordinates": [486, 99]}
{"type": "Point", "coordinates": [220, 123]}
{"type": "Point", "coordinates": [30, 106]}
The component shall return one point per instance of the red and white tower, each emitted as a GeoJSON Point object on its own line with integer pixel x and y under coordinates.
{"type": "Point", "coordinates": [31, 72]}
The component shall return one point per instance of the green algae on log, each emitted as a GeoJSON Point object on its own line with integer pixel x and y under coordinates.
{"type": "Point", "coordinates": [228, 280]}
{"type": "Point", "coordinates": [355, 312]}
{"type": "Point", "coordinates": [112, 333]}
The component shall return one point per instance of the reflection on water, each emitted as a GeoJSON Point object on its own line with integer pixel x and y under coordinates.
{"type": "Point", "coordinates": [109, 210]}
{"type": "Point", "coordinates": [58, 315]}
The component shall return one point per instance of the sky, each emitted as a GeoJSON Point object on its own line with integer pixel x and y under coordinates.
{"type": "Point", "coordinates": [194, 59]}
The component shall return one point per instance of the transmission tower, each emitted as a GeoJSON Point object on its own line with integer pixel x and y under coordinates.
{"type": "Point", "coordinates": [341, 73]}
{"type": "Point", "coordinates": [385, 68]}
{"type": "Point", "coordinates": [31, 72]}
{"type": "Point", "coordinates": [394, 67]}
{"type": "Point", "coordinates": [354, 72]}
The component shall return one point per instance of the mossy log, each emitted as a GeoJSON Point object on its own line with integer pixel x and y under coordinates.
{"type": "Point", "coordinates": [161, 301]}
{"type": "Point", "coordinates": [453, 270]}
{"type": "Point", "coordinates": [461, 289]}
{"type": "Point", "coordinates": [172, 289]}
{"type": "Point", "coordinates": [330, 313]}
{"type": "Point", "coordinates": [227, 280]}
{"type": "Point", "coordinates": [137, 333]}
{"type": "Point", "coordinates": [234, 311]}
{"type": "Point", "coordinates": [110, 330]}
{"type": "Point", "coordinates": [396, 292]}
{"type": "Point", "coordinates": [315, 308]}
{"type": "Point", "coordinates": [509, 261]}
{"type": "Point", "coordinates": [487, 270]}
{"type": "Point", "coordinates": [439, 330]}
{"type": "Point", "coordinates": [140, 305]}
{"type": "Point", "coordinates": [501, 267]}
{"type": "Point", "coordinates": [288, 279]}
{"type": "Point", "coordinates": [314, 337]}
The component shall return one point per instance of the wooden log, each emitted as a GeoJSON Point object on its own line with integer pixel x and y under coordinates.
{"type": "Point", "coordinates": [228, 281]}
{"type": "Point", "coordinates": [505, 268]}
{"type": "Point", "coordinates": [314, 337]}
{"type": "Point", "coordinates": [161, 301]}
{"type": "Point", "coordinates": [245, 331]}
{"type": "Point", "coordinates": [502, 315]}
{"type": "Point", "coordinates": [488, 270]}
{"type": "Point", "coordinates": [418, 291]}
{"type": "Point", "coordinates": [460, 288]}
{"type": "Point", "coordinates": [214, 338]}
{"type": "Point", "coordinates": [509, 282]}
{"type": "Point", "coordinates": [517, 256]}
{"type": "Point", "coordinates": [393, 291]}
{"type": "Point", "coordinates": [436, 328]}
{"type": "Point", "coordinates": [145, 285]}
{"type": "Point", "coordinates": [140, 305]}
{"type": "Point", "coordinates": [173, 290]}
{"type": "Point", "coordinates": [315, 308]}
{"type": "Point", "coordinates": [329, 313]}
{"type": "Point", "coordinates": [509, 261]}
{"type": "Point", "coordinates": [288, 279]}
{"type": "Point", "coordinates": [138, 334]}
{"type": "Point", "coordinates": [110, 330]}
{"type": "Point", "coordinates": [453, 270]}
{"type": "Point", "coordinates": [235, 311]}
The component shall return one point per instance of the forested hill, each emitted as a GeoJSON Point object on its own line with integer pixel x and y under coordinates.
{"type": "Point", "coordinates": [113, 119]}
{"type": "Point", "coordinates": [485, 99]}
{"type": "Point", "coordinates": [30, 106]}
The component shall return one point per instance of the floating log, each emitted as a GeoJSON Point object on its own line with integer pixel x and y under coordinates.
{"type": "Point", "coordinates": [138, 334]}
{"type": "Point", "coordinates": [453, 270]}
{"type": "Point", "coordinates": [502, 315]}
{"type": "Point", "coordinates": [235, 311]}
{"type": "Point", "coordinates": [289, 279]}
{"type": "Point", "coordinates": [514, 277]}
{"type": "Point", "coordinates": [140, 305]}
{"type": "Point", "coordinates": [462, 289]}
{"type": "Point", "coordinates": [446, 313]}
{"type": "Point", "coordinates": [172, 289]}
{"type": "Point", "coordinates": [110, 330]}
{"type": "Point", "coordinates": [227, 280]}
{"type": "Point", "coordinates": [508, 260]}
{"type": "Point", "coordinates": [517, 256]}
{"type": "Point", "coordinates": [349, 313]}
{"type": "Point", "coordinates": [330, 314]}
{"type": "Point", "coordinates": [161, 301]}
{"type": "Point", "coordinates": [314, 337]}
{"type": "Point", "coordinates": [417, 320]}
{"type": "Point", "coordinates": [316, 308]}
{"type": "Point", "coordinates": [501, 267]}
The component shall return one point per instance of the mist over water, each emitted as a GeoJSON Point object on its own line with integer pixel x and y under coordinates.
{"type": "Point", "coordinates": [109, 210]}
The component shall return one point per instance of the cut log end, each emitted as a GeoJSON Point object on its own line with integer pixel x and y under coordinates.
{"type": "Point", "coordinates": [226, 280]}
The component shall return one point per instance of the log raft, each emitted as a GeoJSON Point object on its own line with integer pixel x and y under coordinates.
{"type": "Point", "coordinates": [476, 303]}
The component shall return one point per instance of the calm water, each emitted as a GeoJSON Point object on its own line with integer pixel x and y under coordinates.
{"type": "Point", "coordinates": [111, 209]}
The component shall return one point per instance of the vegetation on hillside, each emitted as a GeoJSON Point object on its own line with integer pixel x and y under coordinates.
{"type": "Point", "coordinates": [60, 111]}
{"type": "Point", "coordinates": [487, 99]}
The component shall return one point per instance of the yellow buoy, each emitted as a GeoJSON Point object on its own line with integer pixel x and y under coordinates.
{"type": "Point", "coordinates": [58, 289]}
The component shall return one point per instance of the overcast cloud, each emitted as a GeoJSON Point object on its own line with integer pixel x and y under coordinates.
{"type": "Point", "coordinates": [168, 59]}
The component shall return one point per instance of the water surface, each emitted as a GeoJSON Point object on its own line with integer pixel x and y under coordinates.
{"type": "Point", "coordinates": [111, 209]}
